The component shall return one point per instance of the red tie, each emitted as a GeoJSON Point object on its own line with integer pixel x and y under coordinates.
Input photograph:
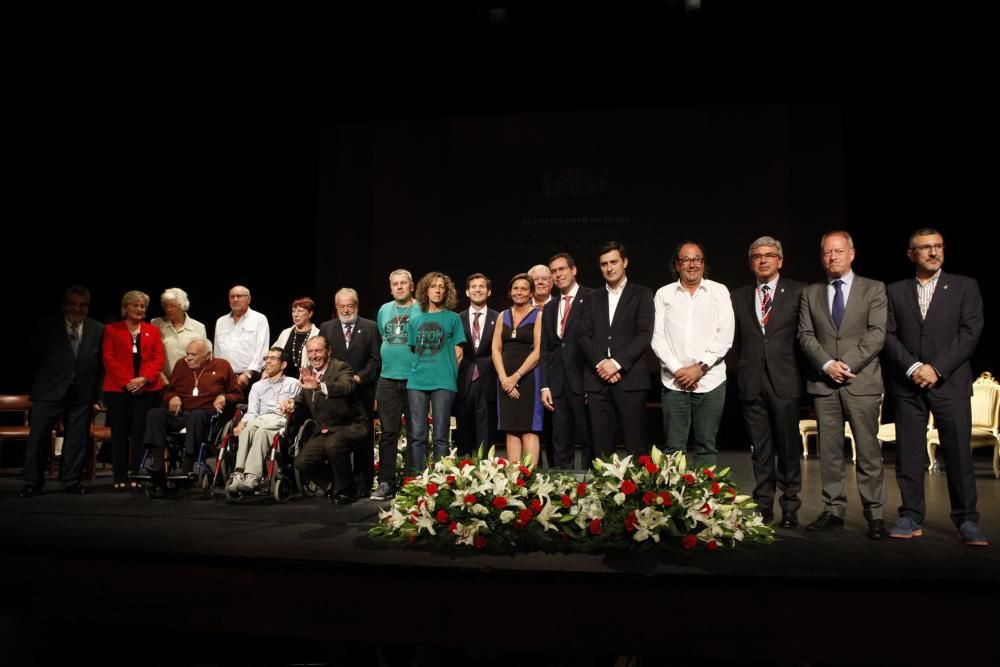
{"type": "Point", "coordinates": [765, 304]}
{"type": "Point", "coordinates": [562, 322]}
{"type": "Point", "coordinates": [475, 343]}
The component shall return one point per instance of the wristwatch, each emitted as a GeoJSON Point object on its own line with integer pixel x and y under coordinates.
{"type": "Point", "coordinates": [704, 366]}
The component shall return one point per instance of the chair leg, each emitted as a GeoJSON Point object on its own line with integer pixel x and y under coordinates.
{"type": "Point", "coordinates": [805, 446]}
{"type": "Point", "coordinates": [931, 453]}
{"type": "Point", "coordinates": [996, 460]}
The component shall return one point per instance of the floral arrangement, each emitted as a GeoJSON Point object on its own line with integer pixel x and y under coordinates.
{"type": "Point", "coordinates": [490, 503]}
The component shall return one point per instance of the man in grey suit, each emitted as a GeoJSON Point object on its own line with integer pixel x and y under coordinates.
{"type": "Point", "coordinates": [66, 385]}
{"type": "Point", "coordinates": [935, 321]}
{"type": "Point", "coordinates": [841, 332]}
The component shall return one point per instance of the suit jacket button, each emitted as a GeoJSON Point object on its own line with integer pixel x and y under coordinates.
{"type": "Point", "coordinates": [562, 344]}
{"type": "Point", "coordinates": [609, 337]}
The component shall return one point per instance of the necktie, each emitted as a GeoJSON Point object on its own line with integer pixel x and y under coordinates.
{"type": "Point", "coordinates": [838, 303]}
{"type": "Point", "coordinates": [74, 338]}
{"type": "Point", "coordinates": [765, 304]}
{"type": "Point", "coordinates": [566, 307]}
{"type": "Point", "coordinates": [347, 334]}
{"type": "Point", "coordinates": [475, 343]}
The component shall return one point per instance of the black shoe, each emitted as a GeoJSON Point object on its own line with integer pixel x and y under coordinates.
{"type": "Point", "coordinates": [329, 493]}
{"type": "Point", "coordinates": [342, 499]}
{"type": "Point", "coordinates": [826, 521]}
{"type": "Point", "coordinates": [384, 492]}
{"type": "Point", "coordinates": [365, 490]}
{"type": "Point", "coordinates": [789, 521]}
{"type": "Point", "coordinates": [29, 490]}
{"type": "Point", "coordinates": [768, 517]}
{"type": "Point", "coordinates": [77, 489]}
{"type": "Point", "coordinates": [876, 529]}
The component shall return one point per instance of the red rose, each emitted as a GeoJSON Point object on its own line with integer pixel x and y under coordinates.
{"type": "Point", "coordinates": [595, 527]}
{"type": "Point", "coordinates": [470, 499]}
{"type": "Point", "coordinates": [378, 466]}
{"type": "Point", "coordinates": [479, 542]}
{"type": "Point", "coordinates": [519, 482]}
{"type": "Point", "coordinates": [518, 524]}
{"type": "Point", "coordinates": [442, 516]}
{"type": "Point", "coordinates": [450, 479]}
{"type": "Point", "coordinates": [689, 479]}
{"type": "Point", "coordinates": [706, 509]}
{"type": "Point", "coordinates": [716, 488]}
{"type": "Point", "coordinates": [645, 460]}
{"type": "Point", "coordinates": [667, 500]}
{"type": "Point", "coordinates": [501, 461]}
{"type": "Point", "coordinates": [712, 545]}
{"type": "Point", "coordinates": [499, 502]}
{"type": "Point", "coordinates": [525, 515]}
{"type": "Point", "coordinates": [432, 488]}
{"type": "Point", "coordinates": [465, 462]}
{"type": "Point", "coordinates": [648, 498]}
{"type": "Point", "coordinates": [631, 521]}
{"type": "Point", "coordinates": [536, 505]}
{"type": "Point", "coordinates": [651, 468]}
{"type": "Point", "coordinates": [452, 527]}
{"type": "Point", "coordinates": [731, 491]}
{"type": "Point", "coordinates": [688, 541]}
{"type": "Point", "coordinates": [566, 501]}
{"type": "Point", "coordinates": [525, 471]}
{"type": "Point", "coordinates": [628, 487]}
{"type": "Point", "coordinates": [407, 480]}
{"type": "Point", "coordinates": [708, 473]}
{"type": "Point", "coordinates": [581, 490]}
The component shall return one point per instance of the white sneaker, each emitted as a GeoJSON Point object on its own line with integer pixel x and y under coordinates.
{"type": "Point", "coordinates": [248, 482]}
{"type": "Point", "coordinates": [234, 480]}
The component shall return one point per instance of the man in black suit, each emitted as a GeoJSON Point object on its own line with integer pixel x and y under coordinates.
{"type": "Point", "coordinates": [933, 328]}
{"type": "Point", "coordinates": [66, 384]}
{"type": "Point", "coordinates": [475, 405]}
{"type": "Point", "coordinates": [615, 330]}
{"type": "Point", "coordinates": [563, 365]}
{"type": "Point", "coordinates": [356, 341]}
{"type": "Point", "coordinates": [769, 379]}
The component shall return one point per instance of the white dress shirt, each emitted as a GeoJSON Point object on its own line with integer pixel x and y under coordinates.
{"type": "Point", "coordinates": [243, 344]}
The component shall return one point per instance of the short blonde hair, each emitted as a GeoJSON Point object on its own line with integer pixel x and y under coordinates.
{"type": "Point", "coordinates": [132, 296]}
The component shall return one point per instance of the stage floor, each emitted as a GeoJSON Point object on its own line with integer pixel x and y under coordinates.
{"type": "Point", "coordinates": [115, 559]}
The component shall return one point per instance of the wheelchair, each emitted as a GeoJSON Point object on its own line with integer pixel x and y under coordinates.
{"type": "Point", "coordinates": [281, 481]}
{"type": "Point", "coordinates": [204, 476]}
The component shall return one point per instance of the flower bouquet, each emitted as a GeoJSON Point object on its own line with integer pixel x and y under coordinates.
{"type": "Point", "coordinates": [490, 503]}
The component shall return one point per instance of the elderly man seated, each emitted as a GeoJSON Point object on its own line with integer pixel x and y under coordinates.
{"type": "Point", "coordinates": [200, 386]}
{"type": "Point", "coordinates": [261, 422]}
{"type": "Point", "coordinates": [329, 397]}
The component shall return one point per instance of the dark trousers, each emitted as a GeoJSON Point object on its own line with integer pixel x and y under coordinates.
{"type": "Point", "coordinates": [160, 422]}
{"type": "Point", "coordinates": [472, 418]}
{"type": "Point", "coordinates": [570, 418]}
{"type": "Point", "coordinates": [953, 420]}
{"type": "Point", "coordinates": [76, 420]}
{"type": "Point", "coordinates": [331, 448]}
{"type": "Point", "coordinates": [613, 402]}
{"type": "Point", "coordinates": [392, 406]}
{"type": "Point", "coordinates": [772, 426]}
{"type": "Point", "coordinates": [127, 419]}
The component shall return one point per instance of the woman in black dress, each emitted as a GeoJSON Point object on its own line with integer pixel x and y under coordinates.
{"type": "Point", "coordinates": [516, 352]}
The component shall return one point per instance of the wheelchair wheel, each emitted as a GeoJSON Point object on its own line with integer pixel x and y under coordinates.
{"type": "Point", "coordinates": [282, 490]}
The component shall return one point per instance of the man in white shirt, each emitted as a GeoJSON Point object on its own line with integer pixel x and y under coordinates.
{"type": "Point", "coordinates": [475, 404]}
{"type": "Point", "coordinates": [263, 419]}
{"type": "Point", "coordinates": [241, 338]}
{"type": "Point", "coordinates": [692, 332]}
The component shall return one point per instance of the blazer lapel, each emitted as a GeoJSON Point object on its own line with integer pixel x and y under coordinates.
{"type": "Point", "coordinates": [939, 300]}
{"type": "Point", "coordinates": [751, 304]}
{"type": "Point", "coordinates": [622, 302]}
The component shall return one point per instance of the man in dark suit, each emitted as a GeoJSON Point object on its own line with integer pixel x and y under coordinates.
{"type": "Point", "coordinates": [66, 385]}
{"type": "Point", "coordinates": [356, 341]}
{"type": "Point", "coordinates": [841, 331]}
{"type": "Point", "coordinates": [768, 378]}
{"type": "Point", "coordinates": [475, 405]}
{"type": "Point", "coordinates": [615, 329]}
{"type": "Point", "coordinates": [330, 396]}
{"type": "Point", "coordinates": [563, 365]}
{"type": "Point", "coordinates": [934, 326]}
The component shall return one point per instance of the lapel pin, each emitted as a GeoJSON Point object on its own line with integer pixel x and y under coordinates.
{"type": "Point", "coordinates": [945, 287]}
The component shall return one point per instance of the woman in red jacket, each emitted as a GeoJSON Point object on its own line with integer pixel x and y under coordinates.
{"type": "Point", "coordinates": [133, 358]}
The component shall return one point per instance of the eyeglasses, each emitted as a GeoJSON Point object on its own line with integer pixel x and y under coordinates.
{"type": "Point", "coordinates": [272, 358]}
{"type": "Point", "coordinates": [692, 261]}
{"type": "Point", "coordinates": [756, 257]}
{"type": "Point", "coordinates": [927, 247]}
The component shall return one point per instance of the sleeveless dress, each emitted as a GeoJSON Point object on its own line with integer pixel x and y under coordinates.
{"type": "Point", "coordinates": [524, 414]}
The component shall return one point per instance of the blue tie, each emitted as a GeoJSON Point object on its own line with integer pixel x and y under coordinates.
{"type": "Point", "coordinates": [838, 303]}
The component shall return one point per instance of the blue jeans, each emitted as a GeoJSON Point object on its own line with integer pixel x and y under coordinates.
{"type": "Point", "coordinates": [419, 399]}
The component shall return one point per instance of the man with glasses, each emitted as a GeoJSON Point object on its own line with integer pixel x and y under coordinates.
{"type": "Point", "coordinates": [692, 333]}
{"type": "Point", "coordinates": [934, 325]}
{"type": "Point", "coordinates": [841, 331]}
{"type": "Point", "coordinates": [613, 334]}
{"type": "Point", "coordinates": [768, 378]}
{"type": "Point", "coordinates": [261, 422]}
{"type": "Point", "coordinates": [241, 338]}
